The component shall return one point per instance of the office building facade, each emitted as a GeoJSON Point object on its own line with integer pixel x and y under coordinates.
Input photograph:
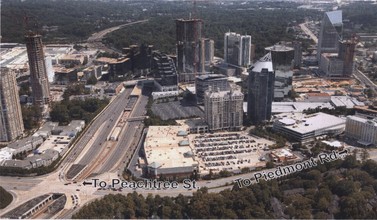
{"type": "Point", "coordinates": [38, 75]}
{"type": "Point", "coordinates": [223, 110]}
{"type": "Point", "coordinates": [261, 90]}
{"type": "Point", "coordinates": [237, 49]}
{"type": "Point", "coordinates": [11, 124]}
{"type": "Point", "coordinates": [363, 130]}
{"type": "Point", "coordinates": [330, 33]}
{"type": "Point", "coordinates": [165, 73]}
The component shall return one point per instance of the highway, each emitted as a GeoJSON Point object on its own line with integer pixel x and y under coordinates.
{"type": "Point", "coordinates": [98, 132]}
{"type": "Point", "coordinates": [364, 79]}
{"type": "Point", "coordinates": [128, 139]}
{"type": "Point", "coordinates": [308, 32]}
{"type": "Point", "coordinates": [95, 41]}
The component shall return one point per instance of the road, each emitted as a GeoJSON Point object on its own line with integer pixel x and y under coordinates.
{"type": "Point", "coordinates": [128, 138]}
{"type": "Point", "coordinates": [95, 41]}
{"type": "Point", "coordinates": [308, 32]}
{"type": "Point", "coordinates": [364, 79]}
{"type": "Point", "coordinates": [92, 141]}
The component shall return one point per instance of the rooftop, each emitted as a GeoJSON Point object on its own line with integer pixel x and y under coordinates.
{"type": "Point", "coordinates": [162, 147]}
{"type": "Point", "coordinates": [363, 120]}
{"type": "Point", "coordinates": [263, 63]}
{"type": "Point", "coordinates": [309, 123]}
{"type": "Point", "coordinates": [211, 77]}
{"type": "Point", "coordinates": [279, 48]}
{"type": "Point", "coordinates": [335, 17]}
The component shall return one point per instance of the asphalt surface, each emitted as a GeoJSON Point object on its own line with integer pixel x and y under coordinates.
{"type": "Point", "coordinates": [128, 138]}
{"type": "Point", "coordinates": [106, 120]}
{"type": "Point", "coordinates": [364, 79]}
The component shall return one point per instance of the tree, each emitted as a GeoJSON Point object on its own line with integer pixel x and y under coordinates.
{"type": "Point", "coordinates": [92, 80]}
{"type": "Point", "coordinates": [59, 113]}
{"type": "Point", "coordinates": [364, 155]}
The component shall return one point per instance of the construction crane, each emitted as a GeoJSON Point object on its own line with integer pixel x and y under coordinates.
{"type": "Point", "coordinates": [28, 27]}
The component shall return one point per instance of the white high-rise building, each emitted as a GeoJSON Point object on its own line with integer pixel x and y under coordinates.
{"type": "Point", "coordinates": [223, 110]}
{"type": "Point", "coordinates": [11, 124]}
{"type": "Point", "coordinates": [361, 129]}
{"type": "Point", "coordinates": [237, 49]}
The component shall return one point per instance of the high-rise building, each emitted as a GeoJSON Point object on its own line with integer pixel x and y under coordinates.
{"type": "Point", "coordinates": [203, 83]}
{"type": "Point", "coordinates": [190, 57]}
{"type": "Point", "coordinates": [330, 33]}
{"type": "Point", "coordinates": [346, 54]}
{"type": "Point", "coordinates": [237, 49]}
{"type": "Point", "coordinates": [261, 90]}
{"type": "Point", "coordinates": [281, 54]}
{"type": "Point", "coordinates": [298, 54]}
{"type": "Point", "coordinates": [223, 110]}
{"type": "Point", "coordinates": [38, 76]}
{"type": "Point", "coordinates": [209, 52]}
{"type": "Point", "coordinates": [165, 73]}
{"type": "Point", "coordinates": [362, 129]}
{"type": "Point", "coordinates": [11, 124]}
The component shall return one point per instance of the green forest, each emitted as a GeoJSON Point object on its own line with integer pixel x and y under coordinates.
{"type": "Point", "coordinates": [66, 21]}
{"type": "Point", "coordinates": [340, 189]}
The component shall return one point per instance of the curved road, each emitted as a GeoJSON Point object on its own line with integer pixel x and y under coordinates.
{"type": "Point", "coordinates": [95, 41]}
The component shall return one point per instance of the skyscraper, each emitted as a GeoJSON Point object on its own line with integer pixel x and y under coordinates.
{"type": "Point", "coordinates": [38, 76]}
{"type": "Point", "coordinates": [209, 52]}
{"type": "Point", "coordinates": [11, 124]}
{"type": "Point", "coordinates": [223, 110]}
{"type": "Point", "coordinates": [190, 57]}
{"type": "Point", "coordinates": [261, 90]}
{"type": "Point", "coordinates": [237, 49]}
{"type": "Point", "coordinates": [298, 54]}
{"type": "Point", "coordinates": [330, 33]}
{"type": "Point", "coordinates": [346, 54]}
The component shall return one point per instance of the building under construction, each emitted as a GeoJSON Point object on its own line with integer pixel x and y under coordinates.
{"type": "Point", "coordinates": [346, 54]}
{"type": "Point", "coordinates": [190, 52]}
{"type": "Point", "coordinates": [38, 75]}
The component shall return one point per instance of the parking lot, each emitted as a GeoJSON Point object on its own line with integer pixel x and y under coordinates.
{"type": "Point", "coordinates": [229, 151]}
{"type": "Point", "coordinates": [176, 110]}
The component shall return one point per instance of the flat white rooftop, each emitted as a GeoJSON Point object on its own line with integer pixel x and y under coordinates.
{"type": "Point", "coordinates": [55, 142]}
{"type": "Point", "coordinates": [287, 107]}
{"type": "Point", "coordinates": [309, 123]}
{"type": "Point", "coordinates": [162, 147]}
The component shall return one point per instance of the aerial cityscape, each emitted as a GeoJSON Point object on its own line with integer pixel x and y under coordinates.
{"type": "Point", "coordinates": [188, 109]}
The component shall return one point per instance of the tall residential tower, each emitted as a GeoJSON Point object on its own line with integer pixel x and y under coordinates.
{"type": "Point", "coordinates": [237, 49]}
{"type": "Point", "coordinates": [223, 110]}
{"type": "Point", "coordinates": [11, 124]}
{"type": "Point", "coordinates": [38, 75]}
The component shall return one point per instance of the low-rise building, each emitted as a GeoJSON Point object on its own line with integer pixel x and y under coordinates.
{"type": "Point", "coordinates": [317, 97]}
{"type": "Point", "coordinates": [306, 128]}
{"type": "Point", "coordinates": [26, 144]}
{"type": "Point", "coordinates": [167, 154]}
{"type": "Point", "coordinates": [282, 155]}
{"type": "Point", "coordinates": [363, 130]}
{"type": "Point", "coordinates": [114, 88]}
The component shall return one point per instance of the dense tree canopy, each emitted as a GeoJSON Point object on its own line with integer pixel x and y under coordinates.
{"type": "Point", "coordinates": [340, 189]}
